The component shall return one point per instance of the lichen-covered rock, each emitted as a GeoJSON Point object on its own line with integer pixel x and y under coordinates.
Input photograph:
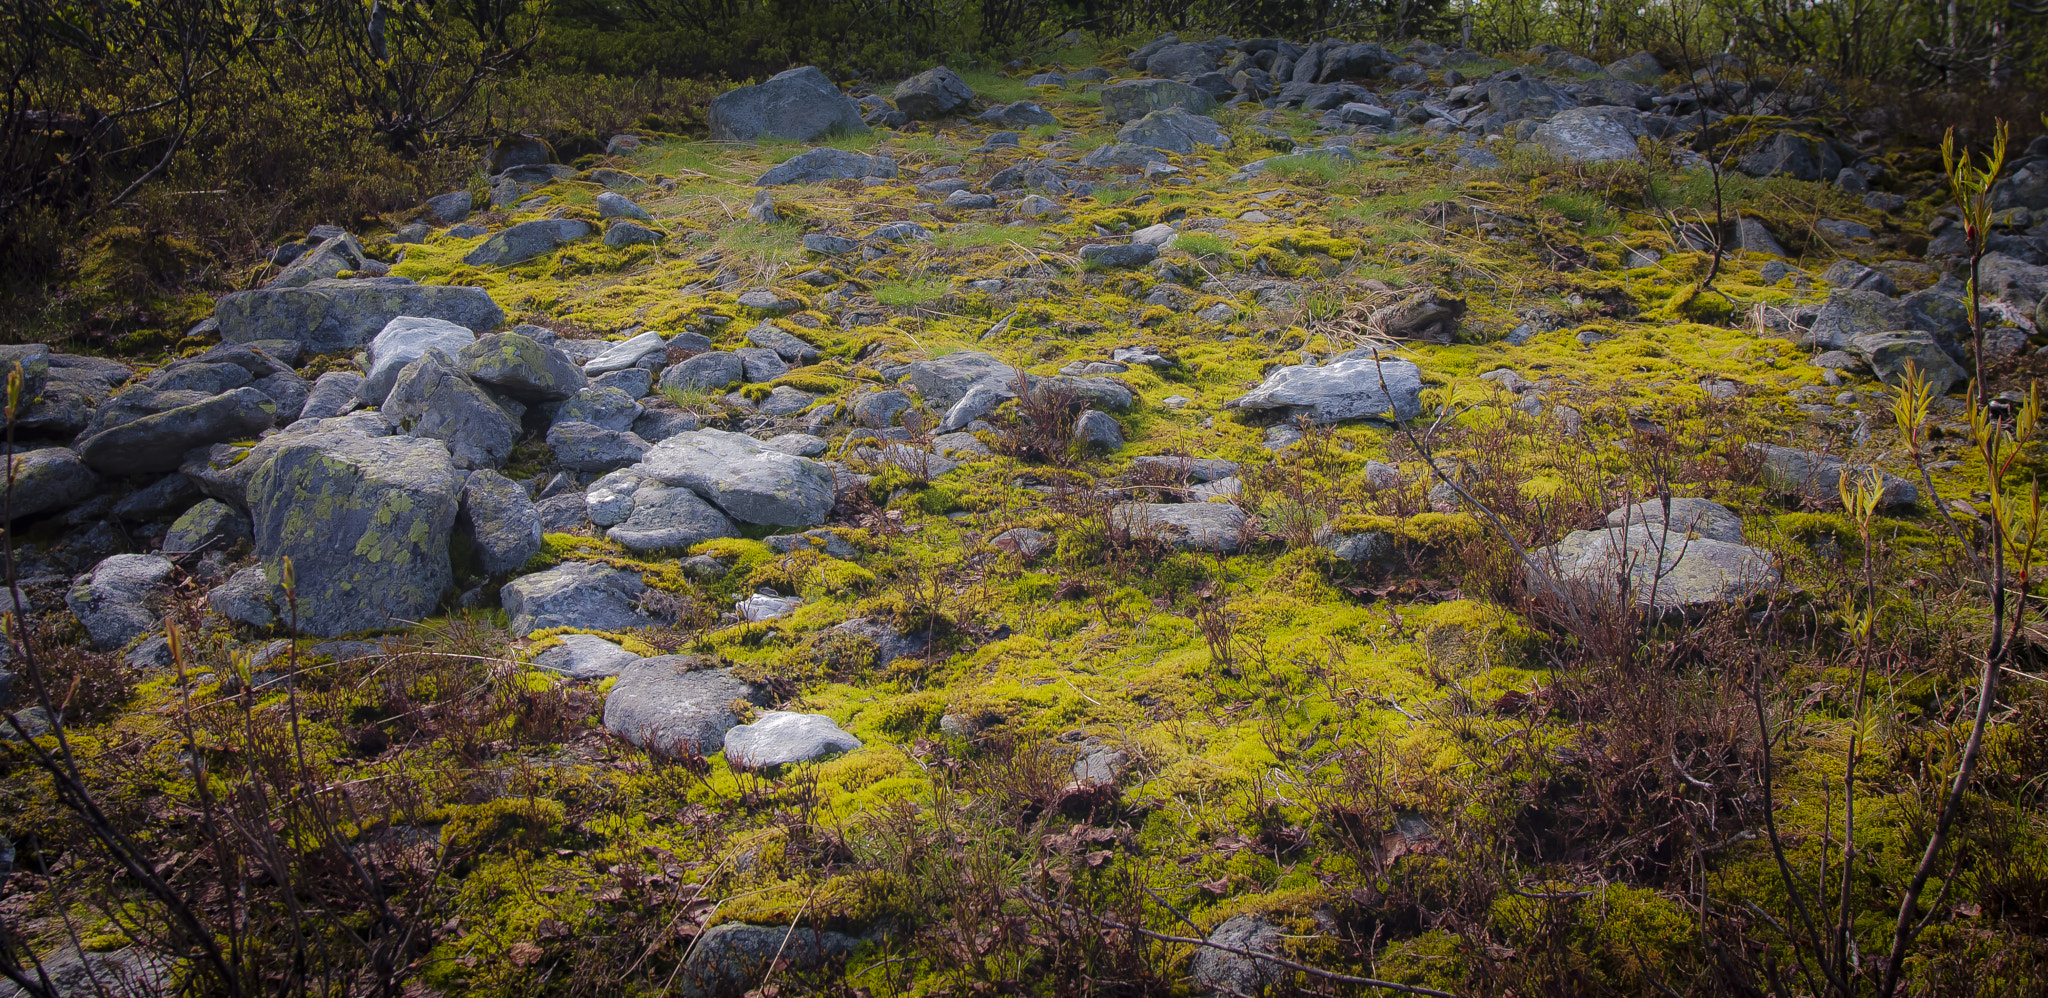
{"type": "Point", "coordinates": [245, 598]}
{"type": "Point", "coordinates": [584, 656]}
{"type": "Point", "coordinates": [674, 703]}
{"type": "Point", "coordinates": [609, 408]}
{"type": "Point", "coordinates": [785, 738]}
{"type": "Point", "coordinates": [516, 365]}
{"type": "Point", "coordinates": [211, 525]}
{"type": "Point", "coordinates": [580, 446]}
{"type": "Point", "coordinates": [333, 394]}
{"type": "Point", "coordinates": [819, 165]}
{"type": "Point", "coordinates": [365, 522]}
{"type": "Point", "coordinates": [1816, 477]}
{"type": "Point", "coordinates": [787, 345]}
{"type": "Point", "coordinates": [750, 482]}
{"type": "Point", "coordinates": [1222, 972]}
{"type": "Point", "coordinates": [1593, 134]}
{"type": "Point", "coordinates": [433, 399]}
{"type": "Point", "coordinates": [934, 93]}
{"type": "Point", "coordinates": [527, 240]}
{"type": "Point", "coordinates": [500, 521]}
{"type": "Point", "coordinates": [158, 442]}
{"type": "Point", "coordinates": [1352, 386]}
{"type": "Point", "coordinates": [1098, 430]}
{"type": "Point", "coordinates": [1174, 130]}
{"type": "Point", "coordinates": [113, 601]}
{"type": "Point", "coordinates": [1891, 353]}
{"type": "Point", "coordinates": [1201, 526]}
{"type": "Point", "coordinates": [575, 594]}
{"type": "Point", "coordinates": [799, 104]}
{"type": "Point", "coordinates": [325, 316]}
{"type": "Point", "coordinates": [633, 352]}
{"type": "Point", "coordinates": [705, 372]}
{"type": "Point", "coordinates": [1701, 517]}
{"type": "Point", "coordinates": [50, 478]}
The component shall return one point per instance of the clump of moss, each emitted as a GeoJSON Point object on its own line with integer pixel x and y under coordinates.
{"type": "Point", "coordinates": [530, 823]}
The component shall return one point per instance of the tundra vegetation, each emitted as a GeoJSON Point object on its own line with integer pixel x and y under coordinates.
{"type": "Point", "coordinates": [1330, 499]}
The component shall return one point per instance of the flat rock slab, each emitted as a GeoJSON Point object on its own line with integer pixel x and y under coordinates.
{"type": "Point", "coordinates": [1349, 387]}
{"type": "Point", "coordinates": [749, 481]}
{"type": "Point", "coordinates": [575, 594]}
{"type": "Point", "coordinates": [1201, 526]}
{"type": "Point", "coordinates": [585, 656]}
{"type": "Point", "coordinates": [1667, 570]}
{"type": "Point", "coordinates": [671, 704]}
{"type": "Point", "coordinates": [801, 105]}
{"type": "Point", "coordinates": [785, 738]}
{"type": "Point", "coordinates": [732, 959]}
{"type": "Point", "coordinates": [1701, 517]}
{"type": "Point", "coordinates": [325, 316]}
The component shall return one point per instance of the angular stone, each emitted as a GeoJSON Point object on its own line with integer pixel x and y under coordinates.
{"type": "Point", "coordinates": [705, 372]}
{"type": "Point", "coordinates": [1022, 114]}
{"type": "Point", "coordinates": [1119, 255]}
{"type": "Point", "coordinates": [580, 446]}
{"type": "Point", "coordinates": [577, 594]}
{"type": "Point", "coordinates": [334, 394]}
{"type": "Point", "coordinates": [113, 600]}
{"type": "Point", "coordinates": [731, 959]}
{"type": "Point", "coordinates": [1135, 99]}
{"type": "Point", "coordinates": [1593, 134]}
{"type": "Point", "coordinates": [585, 656]}
{"type": "Point", "coordinates": [432, 399]}
{"type": "Point", "coordinates": [785, 738]}
{"type": "Point", "coordinates": [1667, 570]}
{"type": "Point", "coordinates": [326, 316]}
{"type": "Point", "coordinates": [671, 704]}
{"type": "Point", "coordinates": [1816, 477]}
{"type": "Point", "coordinates": [788, 345]}
{"type": "Point", "coordinates": [632, 352]}
{"type": "Point", "coordinates": [935, 93]}
{"type": "Point", "coordinates": [522, 368]}
{"type": "Point", "coordinates": [403, 340]}
{"type": "Point", "coordinates": [1703, 517]}
{"type": "Point", "coordinates": [365, 521]}
{"type": "Point", "coordinates": [211, 525]}
{"type": "Point", "coordinates": [1099, 430]}
{"type": "Point", "coordinates": [157, 443]}
{"type": "Point", "coordinates": [503, 527]}
{"type": "Point", "coordinates": [799, 104]}
{"type": "Point", "coordinates": [245, 598]}
{"type": "Point", "coordinates": [1174, 130]}
{"type": "Point", "coordinates": [1204, 526]}
{"type": "Point", "coordinates": [669, 519]}
{"type": "Point", "coordinates": [750, 482]}
{"type": "Point", "coordinates": [609, 408]}
{"type": "Point", "coordinates": [50, 478]}
{"type": "Point", "coordinates": [1892, 352]}
{"type": "Point", "coordinates": [1352, 386]}
{"type": "Point", "coordinates": [820, 165]}
{"type": "Point", "coordinates": [527, 240]}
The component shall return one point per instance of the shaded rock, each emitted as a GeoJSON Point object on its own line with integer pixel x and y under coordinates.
{"type": "Point", "coordinates": [934, 93]}
{"type": "Point", "coordinates": [1352, 386]}
{"type": "Point", "coordinates": [1206, 526]}
{"type": "Point", "coordinates": [622, 234]}
{"type": "Point", "coordinates": [759, 364]}
{"type": "Point", "coordinates": [785, 738]}
{"type": "Point", "coordinates": [819, 165]}
{"type": "Point", "coordinates": [168, 496]}
{"type": "Point", "coordinates": [1891, 353]}
{"type": "Point", "coordinates": [585, 656]}
{"type": "Point", "coordinates": [113, 600]}
{"type": "Point", "coordinates": [390, 501]}
{"type": "Point", "coordinates": [1174, 130]}
{"type": "Point", "coordinates": [501, 523]}
{"type": "Point", "coordinates": [449, 208]}
{"type": "Point", "coordinates": [800, 104]}
{"type": "Point", "coordinates": [581, 446]}
{"type": "Point", "coordinates": [673, 704]}
{"type": "Point", "coordinates": [50, 478]}
{"type": "Point", "coordinates": [1792, 154]}
{"type": "Point", "coordinates": [527, 240]}
{"type": "Point", "coordinates": [633, 352]}
{"type": "Point", "coordinates": [1129, 101]}
{"type": "Point", "coordinates": [705, 372]}
{"type": "Point", "coordinates": [1752, 237]}
{"type": "Point", "coordinates": [1816, 477]}
{"type": "Point", "coordinates": [1850, 274]}
{"type": "Point", "coordinates": [608, 408]}
{"type": "Point", "coordinates": [1093, 429]}
{"type": "Point", "coordinates": [1430, 315]}
{"type": "Point", "coordinates": [732, 958]}
{"type": "Point", "coordinates": [1849, 313]}
{"type": "Point", "coordinates": [334, 394]}
{"type": "Point", "coordinates": [786, 345]}
{"type": "Point", "coordinates": [612, 204]}
{"type": "Point", "coordinates": [1641, 67]}
{"type": "Point", "coordinates": [577, 594]}
{"type": "Point", "coordinates": [1022, 114]}
{"type": "Point", "coordinates": [157, 443]}
{"type": "Point", "coordinates": [1119, 255]}
{"type": "Point", "coordinates": [211, 525]}
{"type": "Point", "coordinates": [561, 514]}
{"type": "Point", "coordinates": [326, 316]}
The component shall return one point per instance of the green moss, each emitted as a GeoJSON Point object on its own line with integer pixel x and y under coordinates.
{"type": "Point", "coordinates": [523, 822]}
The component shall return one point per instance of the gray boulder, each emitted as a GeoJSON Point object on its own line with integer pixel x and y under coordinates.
{"type": "Point", "coordinates": [1641, 67]}
{"type": "Point", "coordinates": [785, 738]}
{"type": "Point", "coordinates": [1181, 61]}
{"type": "Point", "coordinates": [210, 525]}
{"type": "Point", "coordinates": [1203, 526]}
{"type": "Point", "coordinates": [449, 208]}
{"type": "Point", "coordinates": [1221, 972]}
{"type": "Point", "coordinates": [50, 478]}
{"type": "Point", "coordinates": [520, 367]}
{"type": "Point", "coordinates": [946, 380]}
{"type": "Point", "coordinates": [324, 261]}
{"type": "Point", "coordinates": [334, 394]}
{"type": "Point", "coordinates": [800, 105]}
{"type": "Point", "coordinates": [609, 408]}
{"type": "Point", "coordinates": [1119, 255]}
{"type": "Point", "coordinates": [585, 656]}
{"type": "Point", "coordinates": [1816, 477]}
{"type": "Point", "coordinates": [1702, 517]}
{"type": "Point", "coordinates": [580, 446]}
{"type": "Point", "coordinates": [577, 594]}
{"type": "Point", "coordinates": [1174, 130]}
{"type": "Point", "coordinates": [732, 959]}
{"type": "Point", "coordinates": [705, 372]}
{"type": "Point", "coordinates": [1352, 386]}
{"type": "Point", "coordinates": [1129, 101]}
{"type": "Point", "coordinates": [787, 345]}
{"type": "Point", "coordinates": [365, 521]}
{"type": "Point", "coordinates": [1121, 155]}
{"type": "Point", "coordinates": [113, 600]}
{"type": "Point", "coordinates": [878, 410]}
{"type": "Point", "coordinates": [326, 316]}
{"type": "Point", "coordinates": [1752, 237]}
{"type": "Point", "coordinates": [935, 93]}
{"type": "Point", "coordinates": [669, 519]}
{"type": "Point", "coordinates": [403, 340]}
{"type": "Point", "coordinates": [1792, 154]}
{"type": "Point", "coordinates": [672, 703]}
{"type": "Point", "coordinates": [1851, 312]}
{"type": "Point", "coordinates": [612, 204]}
{"type": "Point", "coordinates": [622, 234]}
{"type": "Point", "coordinates": [1850, 274]}
{"type": "Point", "coordinates": [760, 364]}
{"type": "Point", "coordinates": [750, 482]}
{"type": "Point", "coordinates": [157, 443]}
{"type": "Point", "coordinates": [820, 165]}
{"type": "Point", "coordinates": [1022, 114]}
{"type": "Point", "coordinates": [1097, 430]}
{"type": "Point", "coordinates": [1593, 134]}
{"type": "Point", "coordinates": [432, 399]}
{"type": "Point", "coordinates": [1890, 353]}
{"type": "Point", "coordinates": [500, 522]}
{"type": "Point", "coordinates": [245, 598]}
{"type": "Point", "coordinates": [1666, 569]}
{"type": "Point", "coordinates": [527, 240]}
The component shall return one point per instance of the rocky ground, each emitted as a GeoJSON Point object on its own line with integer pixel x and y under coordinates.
{"type": "Point", "coordinates": [1116, 471]}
